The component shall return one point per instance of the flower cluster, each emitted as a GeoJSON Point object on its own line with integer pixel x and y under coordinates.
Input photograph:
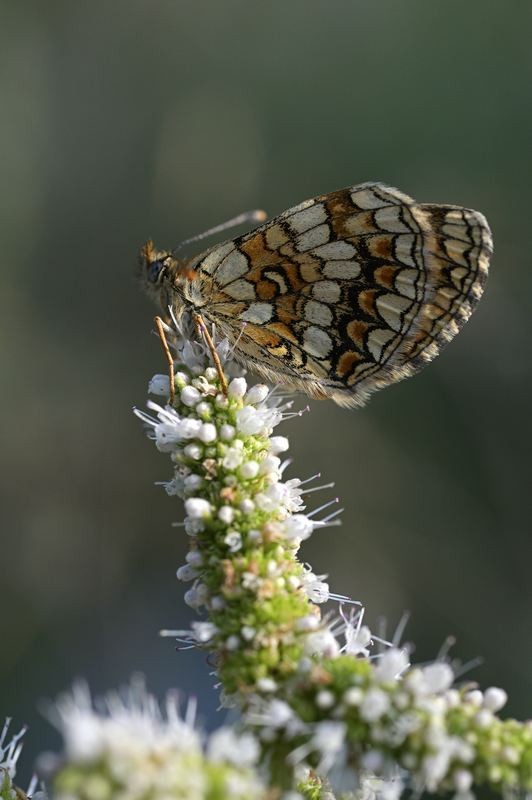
{"type": "Point", "coordinates": [320, 699]}
{"type": "Point", "coordinates": [357, 720]}
{"type": "Point", "coordinates": [134, 751]}
{"type": "Point", "coordinates": [325, 705]}
{"type": "Point", "coordinates": [10, 750]}
{"type": "Point", "coordinates": [245, 525]}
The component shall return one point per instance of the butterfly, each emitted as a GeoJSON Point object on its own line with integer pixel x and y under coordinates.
{"type": "Point", "coordinates": [338, 296]}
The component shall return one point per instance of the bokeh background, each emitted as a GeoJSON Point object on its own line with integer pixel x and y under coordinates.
{"type": "Point", "coordinates": [128, 119]}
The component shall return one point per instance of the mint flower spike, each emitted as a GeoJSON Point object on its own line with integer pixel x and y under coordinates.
{"type": "Point", "coordinates": [324, 701]}
{"type": "Point", "coordinates": [10, 750]}
{"type": "Point", "coordinates": [131, 748]}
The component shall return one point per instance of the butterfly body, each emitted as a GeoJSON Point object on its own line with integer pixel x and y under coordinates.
{"type": "Point", "coordinates": [339, 296]}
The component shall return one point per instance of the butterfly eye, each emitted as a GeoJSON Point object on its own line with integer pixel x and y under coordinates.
{"type": "Point", "coordinates": [154, 271]}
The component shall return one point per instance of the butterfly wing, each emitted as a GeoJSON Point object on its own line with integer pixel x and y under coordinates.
{"type": "Point", "coordinates": [348, 292]}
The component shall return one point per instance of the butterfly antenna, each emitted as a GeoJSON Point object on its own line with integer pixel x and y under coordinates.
{"type": "Point", "coordinates": [258, 215]}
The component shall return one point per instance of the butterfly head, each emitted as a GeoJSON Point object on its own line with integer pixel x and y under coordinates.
{"type": "Point", "coordinates": [155, 268]}
{"type": "Point", "coordinates": [166, 279]}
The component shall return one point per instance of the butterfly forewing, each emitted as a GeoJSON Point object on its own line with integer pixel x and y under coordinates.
{"type": "Point", "coordinates": [348, 292]}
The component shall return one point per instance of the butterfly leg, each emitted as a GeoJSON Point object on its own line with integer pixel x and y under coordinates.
{"type": "Point", "coordinates": [159, 324]}
{"type": "Point", "coordinates": [202, 330]}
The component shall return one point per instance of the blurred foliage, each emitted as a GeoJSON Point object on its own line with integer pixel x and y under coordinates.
{"type": "Point", "coordinates": [131, 119]}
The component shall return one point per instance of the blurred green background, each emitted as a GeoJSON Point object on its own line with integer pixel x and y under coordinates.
{"type": "Point", "coordinates": [128, 119]}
